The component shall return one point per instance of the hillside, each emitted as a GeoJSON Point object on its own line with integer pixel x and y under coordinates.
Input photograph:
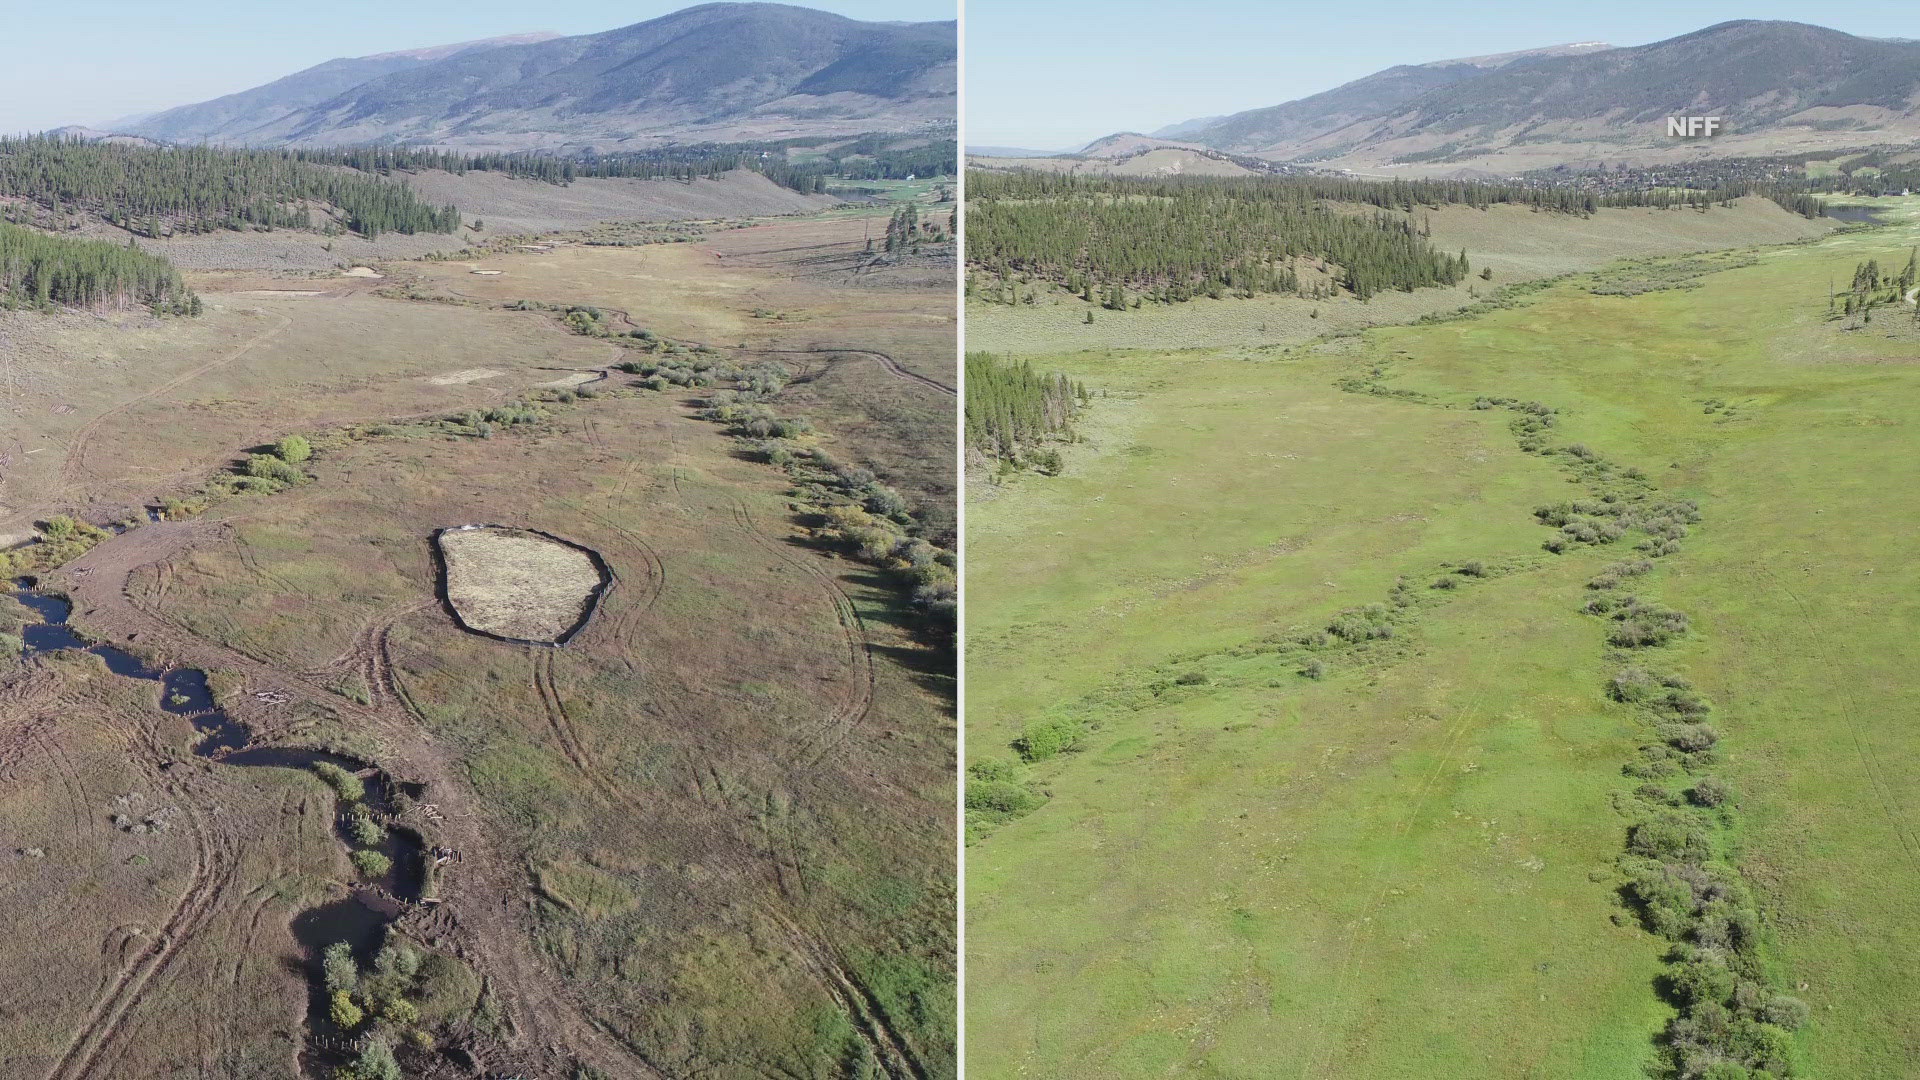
{"type": "Point", "coordinates": [1309, 117]}
{"type": "Point", "coordinates": [1780, 86]}
{"type": "Point", "coordinates": [715, 71]}
{"type": "Point", "coordinates": [230, 117]}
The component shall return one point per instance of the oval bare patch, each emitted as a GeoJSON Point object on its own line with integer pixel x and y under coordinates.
{"type": "Point", "coordinates": [518, 584]}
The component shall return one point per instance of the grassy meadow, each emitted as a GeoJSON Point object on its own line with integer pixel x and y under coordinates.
{"type": "Point", "coordinates": [1403, 863]}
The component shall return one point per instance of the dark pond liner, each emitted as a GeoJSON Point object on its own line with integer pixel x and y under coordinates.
{"type": "Point", "coordinates": [587, 610]}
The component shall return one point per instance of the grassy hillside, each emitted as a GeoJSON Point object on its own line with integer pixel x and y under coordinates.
{"type": "Point", "coordinates": [1402, 857]}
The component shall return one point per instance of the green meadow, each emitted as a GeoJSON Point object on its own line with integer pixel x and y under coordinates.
{"type": "Point", "coordinates": [1399, 857]}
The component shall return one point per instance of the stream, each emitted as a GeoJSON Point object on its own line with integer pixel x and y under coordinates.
{"type": "Point", "coordinates": [360, 919]}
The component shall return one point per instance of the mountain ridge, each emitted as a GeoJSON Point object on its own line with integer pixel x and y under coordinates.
{"type": "Point", "coordinates": [1780, 86]}
{"type": "Point", "coordinates": [711, 72]}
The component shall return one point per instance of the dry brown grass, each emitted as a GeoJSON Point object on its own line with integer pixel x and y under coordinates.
{"type": "Point", "coordinates": [760, 707]}
{"type": "Point", "coordinates": [810, 272]}
{"type": "Point", "coordinates": [517, 584]}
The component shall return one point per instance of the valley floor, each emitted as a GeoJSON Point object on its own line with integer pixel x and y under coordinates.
{"type": "Point", "coordinates": [1403, 863]}
{"type": "Point", "coordinates": [710, 836]}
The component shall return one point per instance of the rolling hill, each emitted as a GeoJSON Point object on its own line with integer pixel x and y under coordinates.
{"type": "Point", "coordinates": [1779, 87]}
{"type": "Point", "coordinates": [716, 71]}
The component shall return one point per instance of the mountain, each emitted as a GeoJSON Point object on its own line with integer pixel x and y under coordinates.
{"type": "Point", "coordinates": [1264, 130]}
{"type": "Point", "coordinates": [1779, 87]}
{"type": "Point", "coordinates": [224, 118]}
{"type": "Point", "coordinates": [717, 71]}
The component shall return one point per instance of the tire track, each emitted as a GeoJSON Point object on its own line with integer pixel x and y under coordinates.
{"type": "Point", "coordinates": [74, 470]}
{"type": "Point", "coordinates": [1890, 806]}
{"type": "Point", "coordinates": [543, 1018]}
{"type": "Point", "coordinates": [1455, 732]}
{"type": "Point", "coordinates": [865, 1010]}
{"type": "Point", "coordinates": [213, 873]}
{"type": "Point", "coordinates": [892, 366]}
{"type": "Point", "coordinates": [840, 723]}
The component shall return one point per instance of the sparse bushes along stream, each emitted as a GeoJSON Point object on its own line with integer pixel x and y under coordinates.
{"type": "Point", "coordinates": [1679, 877]}
{"type": "Point", "coordinates": [856, 511]}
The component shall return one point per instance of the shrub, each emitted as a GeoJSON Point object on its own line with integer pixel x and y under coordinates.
{"type": "Point", "coordinates": [1631, 685]}
{"type": "Point", "coordinates": [1001, 798]}
{"type": "Point", "coordinates": [1042, 739]}
{"type": "Point", "coordinates": [1666, 899]}
{"type": "Point", "coordinates": [268, 467]}
{"type": "Point", "coordinates": [1701, 978]}
{"type": "Point", "coordinates": [396, 958]}
{"type": "Point", "coordinates": [363, 828]}
{"type": "Point", "coordinates": [1710, 791]}
{"type": "Point", "coordinates": [1446, 583]}
{"type": "Point", "coordinates": [374, 1063]}
{"type": "Point", "coordinates": [344, 1012]}
{"type": "Point", "coordinates": [371, 864]}
{"type": "Point", "coordinates": [1690, 737]}
{"type": "Point", "coordinates": [344, 784]}
{"type": "Point", "coordinates": [1669, 837]}
{"type": "Point", "coordinates": [1474, 568]}
{"type": "Point", "coordinates": [1362, 624]}
{"type": "Point", "coordinates": [338, 972]}
{"type": "Point", "coordinates": [1314, 669]}
{"type": "Point", "coordinates": [1641, 624]}
{"type": "Point", "coordinates": [1192, 678]}
{"type": "Point", "coordinates": [1787, 1013]}
{"type": "Point", "coordinates": [293, 449]}
{"type": "Point", "coordinates": [1657, 793]}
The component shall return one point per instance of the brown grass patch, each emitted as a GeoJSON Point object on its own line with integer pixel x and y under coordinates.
{"type": "Point", "coordinates": [517, 584]}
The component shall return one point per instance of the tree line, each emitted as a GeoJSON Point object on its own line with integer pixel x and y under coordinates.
{"type": "Point", "coordinates": [817, 164]}
{"type": "Point", "coordinates": [38, 270]}
{"type": "Point", "coordinates": [165, 191]}
{"type": "Point", "coordinates": [1872, 286]}
{"type": "Point", "coordinates": [1012, 408]}
{"type": "Point", "coordinates": [1120, 240]}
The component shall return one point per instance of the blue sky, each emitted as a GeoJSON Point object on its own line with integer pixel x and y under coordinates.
{"type": "Point", "coordinates": [1055, 74]}
{"type": "Point", "coordinates": [91, 61]}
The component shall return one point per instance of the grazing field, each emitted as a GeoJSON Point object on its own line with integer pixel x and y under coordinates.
{"type": "Point", "coordinates": [1516, 243]}
{"type": "Point", "coordinates": [517, 584]}
{"type": "Point", "coordinates": [871, 342]}
{"type": "Point", "coordinates": [1399, 852]}
{"type": "Point", "coordinates": [711, 836]}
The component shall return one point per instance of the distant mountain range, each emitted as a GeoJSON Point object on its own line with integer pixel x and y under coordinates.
{"type": "Point", "coordinates": [715, 72]}
{"type": "Point", "coordinates": [1779, 87]}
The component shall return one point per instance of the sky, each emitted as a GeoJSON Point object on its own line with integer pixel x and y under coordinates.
{"type": "Point", "coordinates": [1057, 74]}
{"type": "Point", "coordinates": [93, 61]}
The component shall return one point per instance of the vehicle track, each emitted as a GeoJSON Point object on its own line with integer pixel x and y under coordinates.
{"type": "Point", "coordinates": [865, 1010]}
{"type": "Point", "coordinates": [839, 723]}
{"type": "Point", "coordinates": [1890, 807]}
{"type": "Point", "coordinates": [74, 471]}
{"type": "Point", "coordinates": [1456, 731]}
{"type": "Point", "coordinates": [215, 866]}
{"type": "Point", "coordinates": [891, 365]}
{"type": "Point", "coordinates": [545, 1018]}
